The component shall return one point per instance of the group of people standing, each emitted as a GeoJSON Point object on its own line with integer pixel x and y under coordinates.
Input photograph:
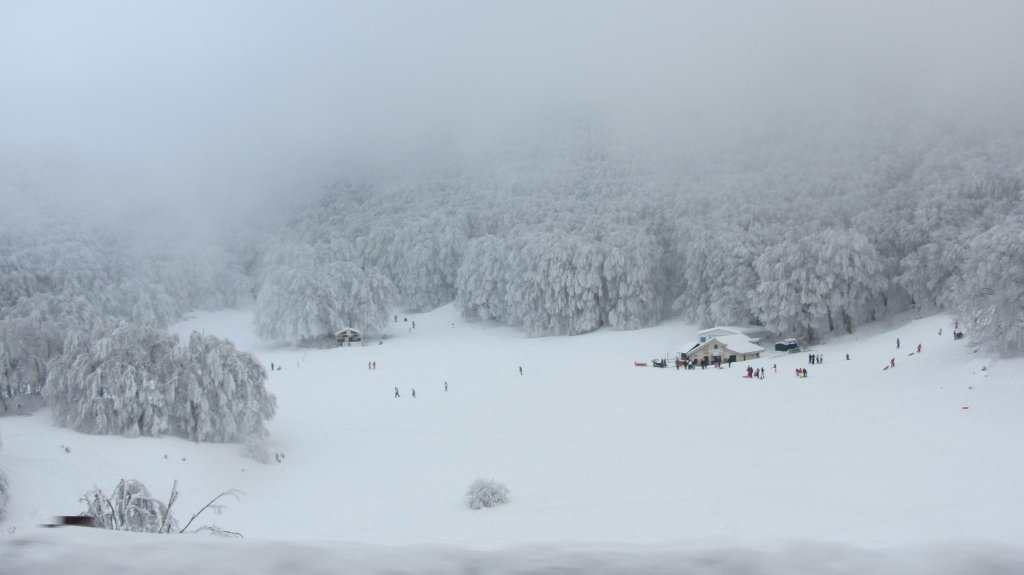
{"type": "Point", "coordinates": [755, 373]}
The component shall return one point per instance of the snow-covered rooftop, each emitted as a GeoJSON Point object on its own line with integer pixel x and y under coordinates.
{"type": "Point", "coordinates": [748, 329]}
{"type": "Point", "coordinates": [739, 343]}
{"type": "Point", "coordinates": [688, 346]}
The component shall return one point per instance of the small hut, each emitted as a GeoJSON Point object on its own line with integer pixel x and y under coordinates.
{"type": "Point", "coordinates": [348, 336]}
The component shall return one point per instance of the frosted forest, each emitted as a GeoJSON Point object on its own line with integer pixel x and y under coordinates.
{"type": "Point", "coordinates": [564, 234]}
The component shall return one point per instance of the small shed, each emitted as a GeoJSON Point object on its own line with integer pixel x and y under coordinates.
{"type": "Point", "coordinates": [348, 336]}
{"type": "Point", "coordinates": [736, 347]}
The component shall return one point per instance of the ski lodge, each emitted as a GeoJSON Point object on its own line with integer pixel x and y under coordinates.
{"type": "Point", "coordinates": [726, 343]}
{"type": "Point", "coordinates": [723, 348]}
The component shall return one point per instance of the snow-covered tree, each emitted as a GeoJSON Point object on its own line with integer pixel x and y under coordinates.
{"type": "Point", "coordinates": [113, 381]}
{"type": "Point", "coordinates": [633, 280]}
{"type": "Point", "coordinates": [132, 380]}
{"type": "Point", "coordinates": [218, 392]}
{"type": "Point", "coordinates": [309, 293]}
{"type": "Point", "coordinates": [989, 295]}
{"type": "Point", "coordinates": [717, 276]}
{"type": "Point", "coordinates": [808, 287]}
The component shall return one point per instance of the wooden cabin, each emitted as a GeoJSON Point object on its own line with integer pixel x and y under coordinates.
{"type": "Point", "coordinates": [348, 336]}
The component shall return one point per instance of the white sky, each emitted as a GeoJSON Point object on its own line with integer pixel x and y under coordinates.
{"type": "Point", "coordinates": [224, 98]}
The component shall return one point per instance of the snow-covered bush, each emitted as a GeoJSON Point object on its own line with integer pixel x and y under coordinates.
{"type": "Point", "coordinates": [130, 508]}
{"type": "Point", "coordinates": [486, 493]}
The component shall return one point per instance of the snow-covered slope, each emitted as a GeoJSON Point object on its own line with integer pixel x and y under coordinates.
{"type": "Point", "coordinates": [593, 449]}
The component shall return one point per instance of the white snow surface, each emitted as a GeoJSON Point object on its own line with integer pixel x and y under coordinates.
{"type": "Point", "coordinates": [598, 455]}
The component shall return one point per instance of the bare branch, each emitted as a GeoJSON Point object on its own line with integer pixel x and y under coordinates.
{"type": "Point", "coordinates": [211, 505]}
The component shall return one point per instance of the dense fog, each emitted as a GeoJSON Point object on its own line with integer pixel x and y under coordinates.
{"type": "Point", "coordinates": [806, 166]}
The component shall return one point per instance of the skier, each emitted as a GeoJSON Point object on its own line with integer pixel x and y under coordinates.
{"type": "Point", "coordinates": [520, 370]}
{"type": "Point", "coordinates": [446, 386]}
{"type": "Point", "coordinates": [918, 348]}
{"type": "Point", "coordinates": [897, 343]}
{"type": "Point", "coordinates": [396, 393]}
{"type": "Point", "coordinates": [414, 324]}
{"type": "Point", "coordinates": [369, 365]}
{"type": "Point", "coordinates": [396, 318]}
{"type": "Point", "coordinates": [414, 393]}
{"type": "Point", "coordinates": [847, 357]}
{"type": "Point", "coordinates": [374, 364]}
{"type": "Point", "coordinates": [892, 362]}
{"type": "Point", "coordinates": [271, 366]}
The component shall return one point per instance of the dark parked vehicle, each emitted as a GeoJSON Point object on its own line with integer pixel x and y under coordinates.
{"type": "Point", "coordinates": [791, 345]}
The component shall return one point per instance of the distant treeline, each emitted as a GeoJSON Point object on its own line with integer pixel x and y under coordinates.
{"type": "Point", "coordinates": [808, 234]}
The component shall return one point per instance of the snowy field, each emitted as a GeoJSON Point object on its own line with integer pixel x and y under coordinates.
{"type": "Point", "coordinates": [598, 454]}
